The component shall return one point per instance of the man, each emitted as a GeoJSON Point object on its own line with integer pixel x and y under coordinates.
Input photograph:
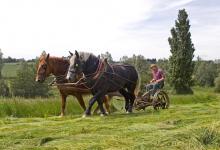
{"type": "Point", "coordinates": [158, 79]}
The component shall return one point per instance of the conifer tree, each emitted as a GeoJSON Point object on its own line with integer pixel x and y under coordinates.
{"type": "Point", "coordinates": [182, 49]}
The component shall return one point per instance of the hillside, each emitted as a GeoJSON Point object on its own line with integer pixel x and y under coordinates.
{"type": "Point", "coordinates": [9, 69]}
{"type": "Point", "coordinates": [192, 122]}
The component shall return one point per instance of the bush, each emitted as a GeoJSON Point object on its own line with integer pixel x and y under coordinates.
{"type": "Point", "coordinates": [24, 84]}
{"type": "Point", "coordinates": [217, 84]}
{"type": "Point", "coordinates": [1, 63]}
{"type": "Point", "coordinates": [4, 89]}
{"type": "Point", "coordinates": [205, 73]}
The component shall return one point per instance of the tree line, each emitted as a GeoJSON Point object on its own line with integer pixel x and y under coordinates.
{"type": "Point", "coordinates": [205, 74]}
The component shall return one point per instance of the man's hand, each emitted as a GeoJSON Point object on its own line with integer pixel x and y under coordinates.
{"type": "Point", "coordinates": [153, 80]}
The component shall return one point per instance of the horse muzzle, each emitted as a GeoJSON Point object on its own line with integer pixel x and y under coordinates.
{"type": "Point", "coordinates": [39, 80]}
{"type": "Point", "coordinates": [70, 77]}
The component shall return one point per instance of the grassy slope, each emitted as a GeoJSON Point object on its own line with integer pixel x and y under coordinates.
{"type": "Point", "coordinates": [9, 69]}
{"type": "Point", "coordinates": [192, 122]}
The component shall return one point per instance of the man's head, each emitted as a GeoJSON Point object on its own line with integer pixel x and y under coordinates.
{"type": "Point", "coordinates": [153, 67]}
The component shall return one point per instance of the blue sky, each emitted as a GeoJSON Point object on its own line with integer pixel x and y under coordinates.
{"type": "Point", "coordinates": [122, 27]}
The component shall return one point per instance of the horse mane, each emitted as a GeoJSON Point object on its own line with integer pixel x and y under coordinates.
{"type": "Point", "coordinates": [85, 55]}
{"type": "Point", "coordinates": [59, 60]}
{"type": "Point", "coordinates": [91, 61]}
{"type": "Point", "coordinates": [59, 65]}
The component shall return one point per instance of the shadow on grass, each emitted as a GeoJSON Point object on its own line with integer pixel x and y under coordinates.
{"type": "Point", "coordinates": [47, 139]}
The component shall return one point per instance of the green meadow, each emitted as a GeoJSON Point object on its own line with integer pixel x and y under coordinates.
{"type": "Point", "coordinates": [9, 69]}
{"type": "Point", "coordinates": [191, 122]}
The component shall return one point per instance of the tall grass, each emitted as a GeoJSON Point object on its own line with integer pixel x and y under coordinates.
{"type": "Point", "coordinates": [38, 107]}
{"type": "Point", "coordinates": [201, 95]}
{"type": "Point", "coordinates": [43, 107]}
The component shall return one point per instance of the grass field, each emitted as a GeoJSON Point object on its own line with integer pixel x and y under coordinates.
{"type": "Point", "coordinates": [9, 69]}
{"type": "Point", "coordinates": [192, 122]}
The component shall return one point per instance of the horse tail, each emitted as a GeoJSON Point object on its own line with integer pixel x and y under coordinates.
{"type": "Point", "coordinates": [138, 84]}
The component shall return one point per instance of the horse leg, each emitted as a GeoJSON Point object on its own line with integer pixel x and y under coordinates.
{"type": "Point", "coordinates": [91, 103]}
{"type": "Point", "coordinates": [81, 101]}
{"type": "Point", "coordinates": [63, 105]}
{"type": "Point", "coordinates": [96, 110]}
{"type": "Point", "coordinates": [131, 91]}
{"type": "Point", "coordinates": [124, 93]}
{"type": "Point", "coordinates": [131, 103]}
{"type": "Point", "coordinates": [106, 101]}
{"type": "Point", "coordinates": [100, 103]}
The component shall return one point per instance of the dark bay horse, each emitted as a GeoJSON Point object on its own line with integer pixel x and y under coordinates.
{"type": "Point", "coordinates": [58, 67]}
{"type": "Point", "coordinates": [103, 78]}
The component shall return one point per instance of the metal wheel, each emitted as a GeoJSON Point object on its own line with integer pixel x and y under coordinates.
{"type": "Point", "coordinates": [142, 101]}
{"type": "Point", "coordinates": [161, 100]}
{"type": "Point", "coordinates": [139, 104]}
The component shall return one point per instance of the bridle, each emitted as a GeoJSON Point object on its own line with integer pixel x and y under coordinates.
{"type": "Point", "coordinates": [44, 67]}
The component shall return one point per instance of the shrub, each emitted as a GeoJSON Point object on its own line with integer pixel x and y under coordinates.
{"type": "Point", "coordinates": [205, 73]}
{"type": "Point", "coordinates": [4, 89]}
{"type": "Point", "coordinates": [24, 84]}
{"type": "Point", "coordinates": [217, 84]}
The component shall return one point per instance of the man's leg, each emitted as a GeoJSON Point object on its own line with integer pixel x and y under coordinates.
{"type": "Point", "coordinates": [156, 87]}
{"type": "Point", "coordinates": [149, 87]}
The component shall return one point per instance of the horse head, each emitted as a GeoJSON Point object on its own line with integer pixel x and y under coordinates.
{"type": "Point", "coordinates": [43, 69]}
{"type": "Point", "coordinates": [76, 67]}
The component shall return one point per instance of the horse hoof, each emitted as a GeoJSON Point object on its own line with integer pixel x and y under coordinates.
{"type": "Point", "coordinates": [128, 112]}
{"type": "Point", "coordinates": [61, 115]}
{"type": "Point", "coordinates": [103, 115]}
{"type": "Point", "coordinates": [84, 116]}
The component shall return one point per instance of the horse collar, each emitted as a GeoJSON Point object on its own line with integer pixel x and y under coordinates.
{"type": "Point", "coordinates": [101, 66]}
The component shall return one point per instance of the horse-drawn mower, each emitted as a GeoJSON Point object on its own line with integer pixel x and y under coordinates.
{"type": "Point", "coordinates": [159, 100]}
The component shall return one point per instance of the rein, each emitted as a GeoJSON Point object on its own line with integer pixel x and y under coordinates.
{"type": "Point", "coordinates": [97, 75]}
{"type": "Point", "coordinates": [94, 76]}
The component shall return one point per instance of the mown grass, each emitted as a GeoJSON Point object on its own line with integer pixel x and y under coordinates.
{"type": "Point", "coordinates": [187, 124]}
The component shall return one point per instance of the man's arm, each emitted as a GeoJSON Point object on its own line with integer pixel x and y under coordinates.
{"type": "Point", "coordinates": [162, 79]}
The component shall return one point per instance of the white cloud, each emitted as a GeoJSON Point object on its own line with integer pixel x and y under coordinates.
{"type": "Point", "coordinates": [29, 26]}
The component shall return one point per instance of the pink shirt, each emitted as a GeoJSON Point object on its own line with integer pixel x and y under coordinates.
{"type": "Point", "coordinates": [157, 75]}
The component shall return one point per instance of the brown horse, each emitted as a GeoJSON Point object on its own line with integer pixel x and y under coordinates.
{"type": "Point", "coordinates": [58, 67]}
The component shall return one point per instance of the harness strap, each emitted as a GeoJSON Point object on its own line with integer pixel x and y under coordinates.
{"type": "Point", "coordinates": [99, 70]}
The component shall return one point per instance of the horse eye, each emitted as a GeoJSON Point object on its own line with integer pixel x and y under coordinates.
{"type": "Point", "coordinates": [44, 66]}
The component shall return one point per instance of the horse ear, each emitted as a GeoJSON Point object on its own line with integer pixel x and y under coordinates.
{"type": "Point", "coordinates": [47, 57]}
{"type": "Point", "coordinates": [71, 54]}
{"type": "Point", "coordinates": [43, 53]}
{"type": "Point", "coordinates": [106, 60]}
{"type": "Point", "coordinates": [81, 57]}
{"type": "Point", "coordinates": [77, 54]}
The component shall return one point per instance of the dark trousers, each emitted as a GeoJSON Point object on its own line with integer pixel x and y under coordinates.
{"type": "Point", "coordinates": [153, 87]}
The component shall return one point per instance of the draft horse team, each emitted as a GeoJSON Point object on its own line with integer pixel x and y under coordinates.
{"type": "Point", "coordinates": [84, 73]}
